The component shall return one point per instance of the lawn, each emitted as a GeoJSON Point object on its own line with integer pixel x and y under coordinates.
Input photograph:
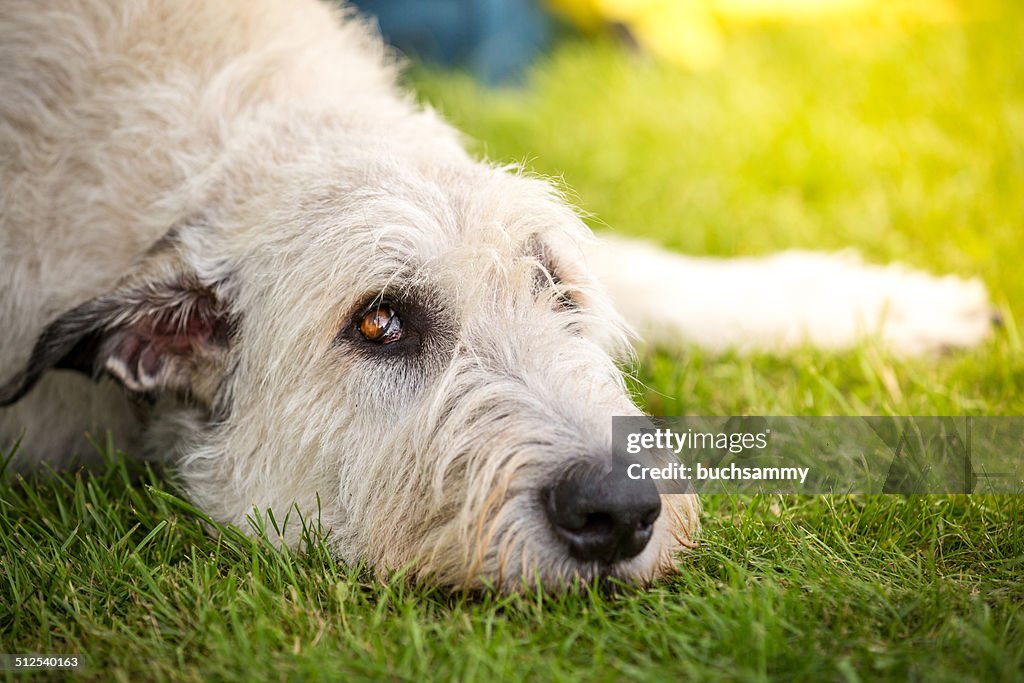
{"type": "Point", "coordinates": [904, 141]}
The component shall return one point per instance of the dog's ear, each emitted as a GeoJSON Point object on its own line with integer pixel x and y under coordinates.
{"type": "Point", "coordinates": [154, 338]}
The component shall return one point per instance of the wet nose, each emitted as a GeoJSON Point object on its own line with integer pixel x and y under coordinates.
{"type": "Point", "coordinates": [603, 517]}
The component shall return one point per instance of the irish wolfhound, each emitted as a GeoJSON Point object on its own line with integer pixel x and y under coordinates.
{"type": "Point", "coordinates": [228, 238]}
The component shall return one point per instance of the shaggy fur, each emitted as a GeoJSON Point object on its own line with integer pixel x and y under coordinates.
{"type": "Point", "coordinates": [201, 197]}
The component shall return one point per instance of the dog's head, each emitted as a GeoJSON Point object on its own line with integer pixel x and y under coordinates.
{"type": "Point", "coordinates": [415, 352]}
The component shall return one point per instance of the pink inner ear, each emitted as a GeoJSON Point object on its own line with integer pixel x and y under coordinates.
{"type": "Point", "coordinates": [153, 352]}
{"type": "Point", "coordinates": [174, 337]}
{"type": "Point", "coordinates": [126, 348]}
{"type": "Point", "coordinates": [150, 362]}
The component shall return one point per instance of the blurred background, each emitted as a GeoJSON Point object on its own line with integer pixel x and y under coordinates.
{"type": "Point", "coordinates": [732, 127]}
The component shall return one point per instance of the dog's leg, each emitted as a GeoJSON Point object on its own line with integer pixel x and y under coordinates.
{"type": "Point", "coordinates": [62, 419]}
{"type": "Point", "coordinates": [829, 300]}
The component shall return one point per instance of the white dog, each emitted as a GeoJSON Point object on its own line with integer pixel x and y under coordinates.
{"type": "Point", "coordinates": [228, 238]}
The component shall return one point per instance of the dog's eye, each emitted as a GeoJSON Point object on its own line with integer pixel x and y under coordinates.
{"type": "Point", "coordinates": [543, 280]}
{"type": "Point", "coordinates": [381, 324]}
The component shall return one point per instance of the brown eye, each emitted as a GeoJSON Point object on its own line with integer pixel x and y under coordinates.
{"type": "Point", "coordinates": [381, 325]}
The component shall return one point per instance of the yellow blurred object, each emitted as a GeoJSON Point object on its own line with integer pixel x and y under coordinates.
{"type": "Point", "coordinates": [689, 32]}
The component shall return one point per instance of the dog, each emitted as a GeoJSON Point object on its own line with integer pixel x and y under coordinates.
{"type": "Point", "coordinates": [232, 241]}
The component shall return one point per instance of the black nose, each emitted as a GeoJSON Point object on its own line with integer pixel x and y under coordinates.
{"type": "Point", "coordinates": [603, 517]}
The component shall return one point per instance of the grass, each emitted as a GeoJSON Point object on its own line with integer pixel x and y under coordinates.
{"type": "Point", "coordinates": [906, 142]}
{"type": "Point", "coordinates": [792, 588]}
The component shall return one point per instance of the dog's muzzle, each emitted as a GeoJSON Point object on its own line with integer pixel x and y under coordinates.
{"type": "Point", "coordinates": [603, 517]}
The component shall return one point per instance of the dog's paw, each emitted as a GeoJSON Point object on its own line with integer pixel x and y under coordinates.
{"type": "Point", "coordinates": [829, 300]}
{"type": "Point", "coordinates": [910, 311]}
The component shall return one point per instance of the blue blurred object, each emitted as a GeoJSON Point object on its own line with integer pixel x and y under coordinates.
{"type": "Point", "coordinates": [495, 39]}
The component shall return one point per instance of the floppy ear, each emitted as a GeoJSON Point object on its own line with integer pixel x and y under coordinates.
{"type": "Point", "coordinates": [168, 337]}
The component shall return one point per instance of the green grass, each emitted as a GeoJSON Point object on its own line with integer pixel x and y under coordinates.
{"type": "Point", "coordinates": [908, 144]}
{"type": "Point", "coordinates": [794, 587]}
